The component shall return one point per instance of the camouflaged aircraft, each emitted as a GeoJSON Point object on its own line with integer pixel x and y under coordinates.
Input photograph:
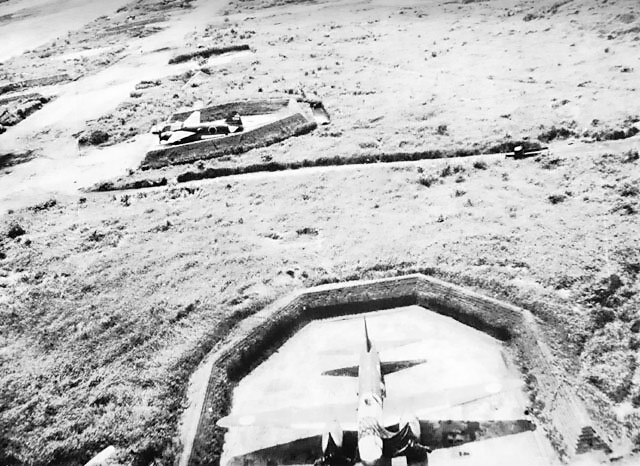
{"type": "Point", "coordinates": [375, 439]}
{"type": "Point", "coordinates": [193, 129]}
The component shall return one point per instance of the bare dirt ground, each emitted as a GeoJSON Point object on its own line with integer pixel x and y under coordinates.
{"type": "Point", "coordinates": [109, 302]}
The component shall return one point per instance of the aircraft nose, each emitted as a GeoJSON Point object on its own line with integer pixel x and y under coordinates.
{"type": "Point", "coordinates": [370, 449]}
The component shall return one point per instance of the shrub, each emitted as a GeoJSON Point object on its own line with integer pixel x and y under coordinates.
{"type": "Point", "coordinates": [629, 190]}
{"type": "Point", "coordinates": [625, 208]}
{"type": "Point", "coordinates": [162, 227]}
{"type": "Point", "coordinates": [427, 180]}
{"type": "Point", "coordinates": [44, 205]}
{"type": "Point", "coordinates": [96, 236]}
{"type": "Point", "coordinates": [480, 165]}
{"type": "Point", "coordinates": [613, 134]}
{"type": "Point", "coordinates": [307, 231]}
{"type": "Point", "coordinates": [556, 133]}
{"type": "Point", "coordinates": [602, 316]}
{"type": "Point", "coordinates": [450, 170]}
{"type": "Point", "coordinates": [94, 138]}
{"type": "Point", "coordinates": [631, 156]}
{"type": "Point", "coordinates": [549, 163]}
{"type": "Point", "coordinates": [557, 198]}
{"type": "Point", "coordinates": [125, 200]}
{"type": "Point", "coordinates": [604, 292]}
{"type": "Point", "coordinates": [15, 230]}
{"type": "Point", "coordinates": [446, 171]}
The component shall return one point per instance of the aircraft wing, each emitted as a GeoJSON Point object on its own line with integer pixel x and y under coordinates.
{"type": "Point", "coordinates": [446, 434]}
{"type": "Point", "coordinates": [386, 368]}
{"type": "Point", "coordinates": [301, 418]}
{"type": "Point", "coordinates": [193, 119]}
{"type": "Point", "coordinates": [180, 136]}
{"type": "Point", "coordinates": [302, 451]}
{"type": "Point", "coordinates": [421, 404]}
{"type": "Point", "coordinates": [434, 434]}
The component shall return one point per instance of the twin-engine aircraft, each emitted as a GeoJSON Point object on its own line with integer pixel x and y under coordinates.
{"type": "Point", "coordinates": [374, 440]}
{"type": "Point", "coordinates": [192, 129]}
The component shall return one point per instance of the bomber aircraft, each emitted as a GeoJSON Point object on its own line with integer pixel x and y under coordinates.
{"type": "Point", "coordinates": [374, 440]}
{"type": "Point", "coordinates": [192, 129]}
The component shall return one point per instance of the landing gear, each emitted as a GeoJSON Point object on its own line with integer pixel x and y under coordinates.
{"type": "Point", "coordinates": [406, 443]}
{"type": "Point", "coordinates": [337, 459]}
{"type": "Point", "coordinates": [417, 453]}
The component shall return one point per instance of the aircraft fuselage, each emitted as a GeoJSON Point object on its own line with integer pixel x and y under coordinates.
{"type": "Point", "coordinates": [371, 394]}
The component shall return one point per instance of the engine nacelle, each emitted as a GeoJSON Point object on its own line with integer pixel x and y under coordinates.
{"type": "Point", "coordinates": [332, 439]}
{"type": "Point", "coordinates": [332, 447]}
{"type": "Point", "coordinates": [413, 423]}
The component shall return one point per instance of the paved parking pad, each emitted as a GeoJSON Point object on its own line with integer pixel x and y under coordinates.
{"type": "Point", "coordinates": [457, 355]}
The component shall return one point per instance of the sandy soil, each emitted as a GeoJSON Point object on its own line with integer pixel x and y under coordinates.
{"type": "Point", "coordinates": [109, 301]}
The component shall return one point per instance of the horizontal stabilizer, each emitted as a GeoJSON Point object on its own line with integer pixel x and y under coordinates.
{"type": "Point", "coordinates": [394, 366]}
{"type": "Point", "coordinates": [388, 367]}
{"type": "Point", "coordinates": [351, 371]}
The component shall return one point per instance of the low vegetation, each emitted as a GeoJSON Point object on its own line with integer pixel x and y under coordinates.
{"type": "Point", "coordinates": [110, 314]}
{"type": "Point", "coordinates": [109, 302]}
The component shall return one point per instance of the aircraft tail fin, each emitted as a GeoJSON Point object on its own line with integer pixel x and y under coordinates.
{"type": "Point", "coordinates": [234, 119]}
{"type": "Point", "coordinates": [366, 336]}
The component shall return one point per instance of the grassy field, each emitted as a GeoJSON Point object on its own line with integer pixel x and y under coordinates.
{"type": "Point", "coordinates": [109, 301]}
{"type": "Point", "coordinates": [418, 76]}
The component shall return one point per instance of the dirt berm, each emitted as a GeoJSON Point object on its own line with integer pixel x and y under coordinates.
{"type": "Point", "coordinates": [293, 124]}
{"type": "Point", "coordinates": [553, 404]}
